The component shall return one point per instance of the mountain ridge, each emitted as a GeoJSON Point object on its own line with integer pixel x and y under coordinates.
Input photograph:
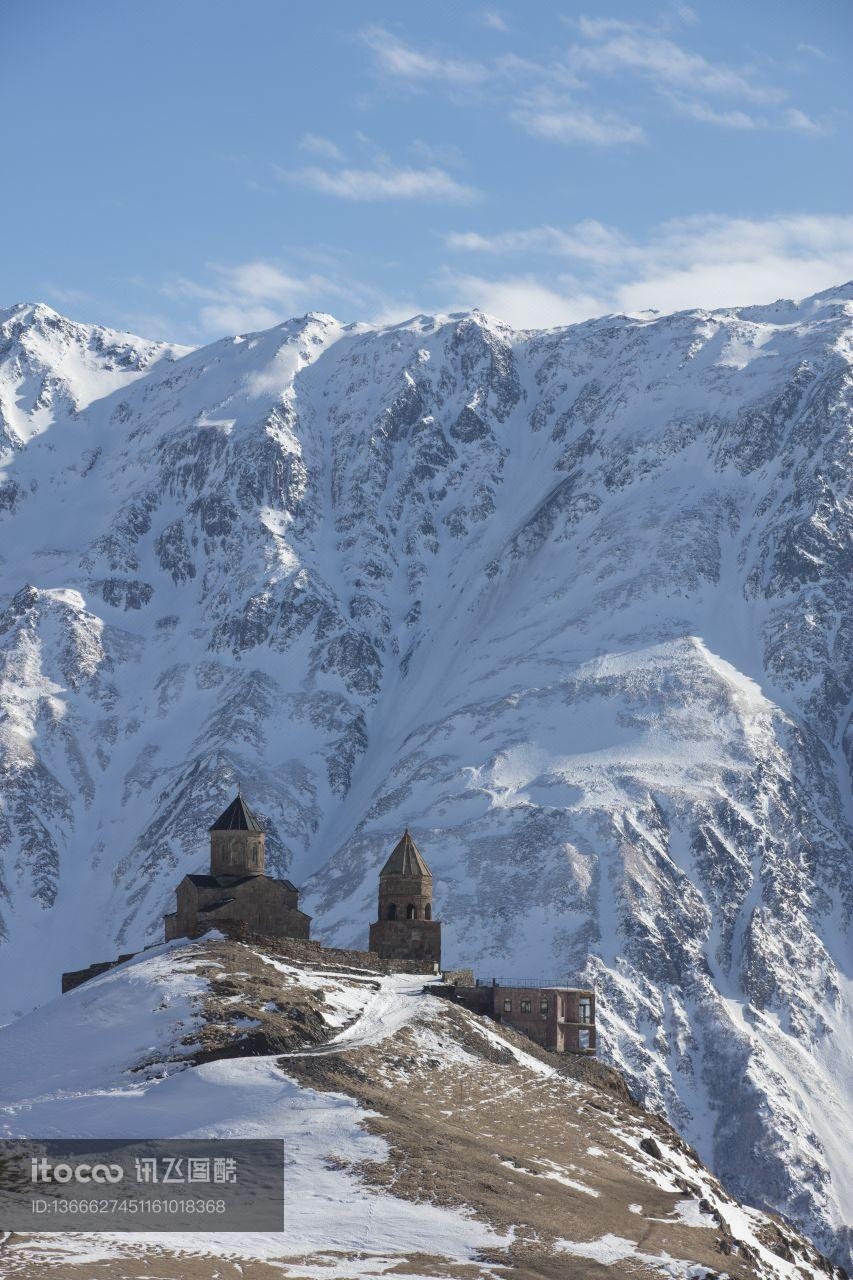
{"type": "Point", "coordinates": [572, 604]}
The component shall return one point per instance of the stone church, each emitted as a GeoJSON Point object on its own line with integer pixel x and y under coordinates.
{"type": "Point", "coordinates": [237, 892]}
{"type": "Point", "coordinates": [236, 895]}
{"type": "Point", "coordinates": [405, 929]}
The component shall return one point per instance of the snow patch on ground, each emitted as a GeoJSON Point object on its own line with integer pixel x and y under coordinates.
{"type": "Point", "coordinates": [610, 1249]}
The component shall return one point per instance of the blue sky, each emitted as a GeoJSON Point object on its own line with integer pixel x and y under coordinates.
{"type": "Point", "coordinates": [197, 167]}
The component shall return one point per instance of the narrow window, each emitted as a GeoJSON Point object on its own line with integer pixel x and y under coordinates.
{"type": "Point", "coordinates": [525, 1006]}
{"type": "Point", "coordinates": [411, 912]}
{"type": "Point", "coordinates": [583, 1039]}
{"type": "Point", "coordinates": [543, 1004]}
{"type": "Point", "coordinates": [428, 912]}
{"type": "Point", "coordinates": [392, 911]}
{"type": "Point", "coordinates": [584, 1009]}
{"type": "Point", "coordinates": [507, 1006]}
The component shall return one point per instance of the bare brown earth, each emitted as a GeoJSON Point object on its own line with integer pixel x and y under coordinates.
{"type": "Point", "coordinates": [548, 1157]}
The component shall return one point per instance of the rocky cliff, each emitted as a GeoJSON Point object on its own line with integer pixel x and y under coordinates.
{"type": "Point", "coordinates": [574, 605]}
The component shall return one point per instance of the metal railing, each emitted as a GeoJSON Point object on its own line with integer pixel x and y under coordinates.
{"type": "Point", "coordinates": [570, 981]}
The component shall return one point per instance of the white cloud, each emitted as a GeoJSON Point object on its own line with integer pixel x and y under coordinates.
{"type": "Point", "coordinates": [405, 62]}
{"type": "Point", "coordinates": [796, 119]}
{"type": "Point", "coordinates": [532, 93]}
{"type": "Point", "coordinates": [726, 119]}
{"type": "Point", "coordinates": [493, 21]}
{"type": "Point", "coordinates": [443, 154]}
{"type": "Point", "coordinates": [577, 126]}
{"type": "Point", "coordinates": [523, 300]}
{"type": "Point", "coordinates": [249, 296]}
{"type": "Point", "coordinates": [68, 297]}
{"type": "Point", "coordinates": [616, 47]}
{"type": "Point", "coordinates": [387, 183]}
{"type": "Point", "coordinates": [814, 50]}
{"type": "Point", "coordinates": [544, 276]}
{"type": "Point", "coordinates": [320, 146]}
{"type": "Point", "coordinates": [255, 295]}
{"type": "Point", "coordinates": [708, 261]}
{"type": "Point", "coordinates": [692, 83]}
{"type": "Point", "coordinates": [591, 241]}
{"type": "Point", "coordinates": [791, 118]}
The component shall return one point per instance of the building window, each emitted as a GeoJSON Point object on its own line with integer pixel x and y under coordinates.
{"type": "Point", "coordinates": [543, 1004]}
{"type": "Point", "coordinates": [392, 911]}
{"type": "Point", "coordinates": [427, 912]}
{"type": "Point", "coordinates": [584, 1009]}
{"type": "Point", "coordinates": [411, 912]}
{"type": "Point", "coordinates": [583, 1038]}
{"type": "Point", "coordinates": [525, 1006]}
{"type": "Point", "coordinates": [507, 1006]}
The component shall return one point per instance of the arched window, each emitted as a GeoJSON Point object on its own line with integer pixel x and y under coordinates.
{"type": "Point", "coordinates": [392, 911]}
{"type": "Point", "coordinates": [428, 912]}
{"type": "Point", "coordinates": [411, 912]}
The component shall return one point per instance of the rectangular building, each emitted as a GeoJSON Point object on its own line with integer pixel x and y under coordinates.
{"type": "Point", "coordinates": [559, 1018]}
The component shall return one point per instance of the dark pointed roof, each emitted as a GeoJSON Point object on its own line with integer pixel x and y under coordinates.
{"type": "Point", "coordinates": [406, 859]}
{"type": "Point", "coordinates": [237, 817]}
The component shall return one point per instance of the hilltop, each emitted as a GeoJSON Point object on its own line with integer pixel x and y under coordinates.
{"type": "Point", "coordinates": [419, 1139]}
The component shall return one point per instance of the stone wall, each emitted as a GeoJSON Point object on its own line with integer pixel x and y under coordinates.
{"type": "Point", "coordinates": [76, 977]}
{"type": "Point", "coordinates": [418, 940]}
{"type": "Point", "coordinates": [477, 999]}
{"type": "Point", "coordinates": [302, 950]}
{"type": "Point", "coordinates": [262, 904]}
{"type": "Point", "coordinates": [459, 977]}
{"type": "Point", "coordinates": [548, 1016]}
{"type": "Point", "coordinates": [308, 951]}
{"type": "Point", "coordinates": [532, 1011]}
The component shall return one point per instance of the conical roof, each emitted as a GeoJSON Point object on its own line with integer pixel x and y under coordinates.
{"type": "Point", "coordinates": [406, 859]}
{"type": "Point", "coordinates": [237, 817]}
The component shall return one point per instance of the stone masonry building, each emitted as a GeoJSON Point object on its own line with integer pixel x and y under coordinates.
{"type": "Point", "coordinates": [241, 900]}
{"type": "Point", "coordinates": [559, 1018]}
{"type": "Point", "coordinates": [237, 892]}
{"type": "Point", "coordinates": [405, 929]}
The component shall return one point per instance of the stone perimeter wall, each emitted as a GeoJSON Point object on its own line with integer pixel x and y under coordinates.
{"type": "Point", "coordinates": [307, 950]}
{"type": "Point", "coordinates": [304, 950]}
{"type": "Point", "coordinates": [77, 977]}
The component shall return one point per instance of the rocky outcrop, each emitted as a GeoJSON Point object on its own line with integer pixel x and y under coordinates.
{"type": "Point", "coordinates": [574, 605]}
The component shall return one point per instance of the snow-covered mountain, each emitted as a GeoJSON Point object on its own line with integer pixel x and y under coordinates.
{"type": "Point", "coordinates": [418, 1139]}
{"type": "Point", "coordinates": [573, 604]}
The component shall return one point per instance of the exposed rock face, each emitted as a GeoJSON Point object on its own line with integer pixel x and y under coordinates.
{"type": "Point", "coordinates": [575, 605]}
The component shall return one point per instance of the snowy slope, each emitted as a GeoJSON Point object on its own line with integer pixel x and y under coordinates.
{"type": "Point", "coordinates": [150, 1006]}
{"type": "Point", "coordinates": [575, 605]}
{"type": "Point", "coordinates": [355, 1203]}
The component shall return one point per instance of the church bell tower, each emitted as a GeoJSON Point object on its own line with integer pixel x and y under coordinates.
{"type": "Point", "coordinates": [405, 929]}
